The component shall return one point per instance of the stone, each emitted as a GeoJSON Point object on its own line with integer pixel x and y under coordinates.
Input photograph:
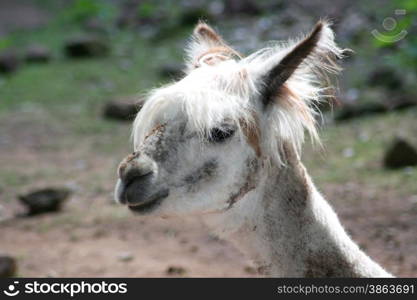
{"type": "Point", "coordinates": [385, 77]}
{"type": "Point", "coordinates": [44, 200]}
{"type": "Point", "coordinates": [175, 271]}
{"type": "Point", "coordinates": [400, 154]}
{"type": "Point", "coordinates": [402, 103]}
{"type": "Point", "coordinates": [9, 62]}
{"type": "Point", "coordinates": [86, 46]}
{"type": "Point", "coordinates": [8, 266]}
{"type": "Point", "coordinates": [37, 54]}
{"type": "Point", "coordinates": [122, 110]}
{"type": "Point", "coordinates": [355, 111]}
{"type": "Point", "coordinates": [250, 270]}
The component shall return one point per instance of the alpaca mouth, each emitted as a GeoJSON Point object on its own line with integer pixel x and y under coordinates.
{"type": "Point", "coordinates": [150, 204]}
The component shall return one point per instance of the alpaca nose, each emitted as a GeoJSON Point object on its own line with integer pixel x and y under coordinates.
{"type": "Point", "coordinates": [134, 166]}
{"type": "Point", "coordinates": [135, 173]}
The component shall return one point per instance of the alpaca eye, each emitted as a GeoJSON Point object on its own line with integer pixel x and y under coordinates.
{"type": "Point", "coordinates": [218, 135]}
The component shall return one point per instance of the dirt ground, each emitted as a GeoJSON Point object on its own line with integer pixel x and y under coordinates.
{"type": "Point", "coordinates": [102, 239]}
{"type": "Point", "coordinates": [104, 247]}
{"type": "Point", "coordinates": [95, 237]}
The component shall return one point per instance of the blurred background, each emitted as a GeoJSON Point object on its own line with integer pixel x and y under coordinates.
{"type": "Point", "coordinates": [71, 78]}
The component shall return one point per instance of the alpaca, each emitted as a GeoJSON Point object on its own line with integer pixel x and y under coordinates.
{"type": "Point", "coordinates": [224, 143]}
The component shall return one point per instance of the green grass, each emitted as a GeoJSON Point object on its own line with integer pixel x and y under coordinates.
{"type": "Point", "coordinates": [65, 83]}
{"type": "Point", "coordinates": [366, 138]}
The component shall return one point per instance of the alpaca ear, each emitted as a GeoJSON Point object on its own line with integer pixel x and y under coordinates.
{"type": "Point", "coordinates": [313, 53]}
{"type": "Point", "coordinates": [207, 48]}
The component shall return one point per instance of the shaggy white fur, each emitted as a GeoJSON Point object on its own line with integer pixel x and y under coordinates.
{"type": "Point", "coordinates": [248, 184]}
{"type": "Point", "coordinates": [229, 89]}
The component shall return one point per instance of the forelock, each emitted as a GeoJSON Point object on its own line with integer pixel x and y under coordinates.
{"type": "Point", "coordinates": [206, 97]}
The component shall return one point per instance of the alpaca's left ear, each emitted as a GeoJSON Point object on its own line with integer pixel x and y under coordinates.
{"type": "Point", "coordinates": [313, 53]}
{"type": "Point", "coordinates": [207, 48]}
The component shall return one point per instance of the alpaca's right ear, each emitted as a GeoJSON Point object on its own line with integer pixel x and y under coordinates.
{"type": "Point", "coordinates": [207, 48]}
{"type": "Point", "coordinates": [314, 54]}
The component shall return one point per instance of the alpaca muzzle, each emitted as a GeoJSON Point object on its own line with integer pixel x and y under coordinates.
{"type": "Point", "coordinates": [136, 186]}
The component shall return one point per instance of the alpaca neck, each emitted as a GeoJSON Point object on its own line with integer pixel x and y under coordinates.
{"type": "Point", "coordinates": [287, 227]}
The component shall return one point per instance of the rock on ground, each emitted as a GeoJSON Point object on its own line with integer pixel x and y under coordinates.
{"type": "Point", "coordinates": [8, 266]}
{"type": "Point", "coordinates": [175, 271]}
{"type": "Point", "coordinates": [86, 46]}
{"type": "Point", "coordinates": [37, 54]}
{"type": "Point", "coordinates": [385, 77]}
{"type": "Point", "coordinates": [44, 200]}
{"type": "Point", "coordinates": [9, 61]}
{"type": "Point", "coordinates": [400, 154]}
{"type": "Point", "coordinates": [355, 111]}
{"type": "Point", "coordinates": [123, 110]}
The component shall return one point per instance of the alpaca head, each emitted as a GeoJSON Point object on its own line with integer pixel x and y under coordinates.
{"type": "Point", "coordinates": [203, 143]}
